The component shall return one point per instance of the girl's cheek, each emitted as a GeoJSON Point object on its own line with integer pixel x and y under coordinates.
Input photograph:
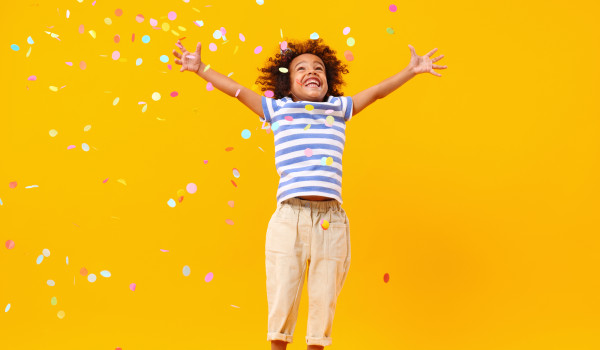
{"type": "Point", "coordinates": [299, 82]}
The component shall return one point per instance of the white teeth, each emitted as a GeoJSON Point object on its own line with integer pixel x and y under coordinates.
{"type": "Point", "coordinates": [313, 81]}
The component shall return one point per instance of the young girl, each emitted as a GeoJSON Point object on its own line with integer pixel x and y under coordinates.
{"type": "Point", "coordinates": [308, 115]}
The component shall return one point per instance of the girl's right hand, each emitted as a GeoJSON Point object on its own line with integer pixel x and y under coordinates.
{"type": "Point", "coordinates": [190, 61]}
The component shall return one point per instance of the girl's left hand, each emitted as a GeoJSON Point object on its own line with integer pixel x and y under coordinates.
{"type": "Point", "coordinates": [423, 64]}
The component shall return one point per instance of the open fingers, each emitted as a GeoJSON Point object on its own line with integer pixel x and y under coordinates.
{"type": "Point", "coordinates": [180, 45]}
{"type": "Point", "coordinates": [435, 59]}
{"type": "Point", "coordinates": [177, 54]}
{"type": "Point", "coordinates": [439, 67]}
{"type": "Point", "coordinates": [178, 62]}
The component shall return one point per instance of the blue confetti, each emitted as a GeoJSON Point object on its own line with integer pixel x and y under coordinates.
{"type": "Point", "coordinates": [246, 134]}
{"type": "Point", "coordinates": [39, 259]}
{"type": "Point", "coordinates": [186, 270]}
{"type": "Point", "coordinates": [164, 58]}
{"type": "Point", "coordinates": [30, 41]}
{"type": "Point", "coordinates": [138, 61]}
{"type": "Point", "coordinates": [314, 36]}
{"type": "Point", "coordinates": [171, 203]}
{"type": "Point", "coordinates": [15, 47]}
{"type": "Point", "coordinates": [146, 39]}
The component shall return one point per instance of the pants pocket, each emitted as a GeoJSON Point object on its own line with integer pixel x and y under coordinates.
{"type": "Point", "coordinates": [281, 237]}
{"type": "Point", "coordinates": [338, 245]}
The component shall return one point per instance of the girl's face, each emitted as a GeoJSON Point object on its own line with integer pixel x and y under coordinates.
{"type": "Point", "coordinates": [307, 78]}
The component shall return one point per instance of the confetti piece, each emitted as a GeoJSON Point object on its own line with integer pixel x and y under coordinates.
{"type": "Point", "coordinates": [87, 128]}
{"type": "Point", "coordinates": [9, 244]}
{"type": "Point", "coordinates": [139, 18]}
{"type": "Point", "coordinates": [7, 307]}
{"type": "Point", "coordinates": [171, 203]}
{"type": "Point", "coordinates": [46, 252]}
{"type": "Point", "coordinates": [246, 134]}
{"type": "Point", "coordinates": [329, 120]}
{"type": "Point", "coordinates": [309, 107]}
{"type": "Point", "coordinates": [289, 118]}
{"type": "Point", "coordinates": [275, 126]}
{"type": "Point", "coordinates": [172, 15]}
{"type": "Point", "coordinates": [393, 8]}
{"type": "Point", "coordinates": [199, 23]}
{"type": "Point", "coordinates": [283, 69]}
{"type": "Point", "coordinates": [132, 286]}
{"type": "Point", "coordinates": [12, 184]}
{"type": "Point", "coordinates": [68, 262]}
{"type": "Point", "coordinates": [118, 12]}
{"type": "Point", "coordinates": [60, 314]}
{"type": "Point", "coordinates": [115, 101]}
{"type": "Point", "coordinates": [209, 86]}
{"type": "Point", "coordinates": [105, 180]}
{"type": "Point", "coordinates": [53, 301]}
{"type": "Point", "coordinates": [15, 47]}
{"type": "Point", "coordinates": [39, 259]}
{"type": "Point", "coordinates": [70, 64]}
{"type": "Point", "coordinates": [237, 92]}
{"type": "Point", "coordinates": [269, 93]}
{"type": "Point", "coordinates": [91, 277]}
{"type": "Point", "coordinates": [108, 21]}
{"type": "Point", "coordinates": [236, 173]}
{"type": "Point", "coordinates": [85, 147]}
{"type": "Point", "coordinates": [186, 270]}
{"type": "Point", "coordinates": [53, 88]}
{"type": "Point", "coordinates": [191, 188]}
{"type": "Point", "coordinates": [314, 36]}
{"type": "Point", "coordinates": [223, 31]}
{"type": "Point", "coordinates": [144, 108]}
{"type": "Point", "coordinates": [82, 65]}
{"type": "Point", "coordinates": [260, 2]}
{"type": "Point", "coordinates": [208, 277]}
{"type": "Point", "coordinates": [68, 13]}
{"type": "Point", "coordinates": [164, 58]}
{"type": "Point", "coordinates": [53, 133]}
{"type": "Point", "coordinates": [117, 38]}
{"type": "Point", "coordinates": [242, 37]}
{"type": "Point", "coordinates": [258, 49]}
{"type": "Point", "coordinates": [166, 26]}
{"type": "Point", "coordinates": [283, 46]}
{"type": "Point", "coordinates": [229, 222]}
{"type": "Point", "coordinates": [153, 22]}
{"type": "Point", "coordinates": [50, 283]}
{"type": "Point", "coordinates": [308, 152]}
{"type": "Point", "coordinates": [174, 93]}
{"type": "Point", "coordinates": [71, 147]}
{"type": "Point", "coordinates": [350, 41]}
{"type": "Point", "coordinates": [217, 34]}
{"type": "Point", "coordinates": [348, 55]}
{"type": "Point", "coordinates": [324, 224]}
{"type": "Point", "coordinates": [116, 55]}
{"type": "Point", "coordinates": [212, 47]}
{"type": "Point", "coordinates": [163, 250]}
{"type": "Point", "coordinates": [228, 149]}
{"type": "Point", "coordinates": [29, 40]}
{"type": "Point", "coordinates": [235, 306]}
{"type": "Point", "coordinates": [146, 39]}
{"type": "Point", "coordinates": [230, 203]}
{"type": "Point", "coordinates": [206, 68]}
{"type": "Point", "coordinates": [155, 96]}
{"type": "Point", "coordinates": [92, 33]}
{"type": "Point", "coordinates": [28, 52]}
{"type": "Point", "coordinates": [346, 30]}
{"type": "Point", "coordinates": [81, 29]}
{"type": "Point", "coordinates": [389, 30]}
{"type": "Point", "coordinates": [386, 277]}
{"type": "Point", "coordinates": [234, 185]}
{"type": "Point", "coordinates": [83, 271]}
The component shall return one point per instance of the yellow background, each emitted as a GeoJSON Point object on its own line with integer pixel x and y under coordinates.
{"type": "Point", "coordinates": [476, 191]}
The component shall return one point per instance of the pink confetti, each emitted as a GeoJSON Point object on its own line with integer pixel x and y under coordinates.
{"type": "Point", "coordinates": [230, 203]}
{"type": "Point", "coordinates": [132, 287]}
{"type": "Point", "coordinates": [81, 29]}
{"type": "Point", "coordinates": [164, 250]}
{"type": "Point", "coordinates": [153, 22]}
{"type": "Point", "coordinates": [169, 66]}
{"type": "Point", "coordinates": [209, 277]}
{"type": "Point", "coordinates": [229, 222]}
{"type": "Point", "coordinates": [118, 12]}
{"type": "Point", "coordinates": [206, 162]}
{"type": "Point", "coordinates": [223, 31]}
{"type": "Point", "coordinates": [237, 92]}
{"type": "Point", "coordinates": [172, 15]}
{"type": "Point", "coordinates": [174, 93]}
{"type": "Point", "coordinates": [242, 37]}
{"type": "Point", "coordinates": [132, 37]}
{"type": "Point", "coordinates": [116, 55]}
{"type": "Point", "coordinates": [33, 77]}
{"type": "Point", "coordinates": [191, 188]}
{"type": "Point", "coordinates": [212, 47]}
{"type": "Point", "coordinates": [349, 56]}
{"type": "Point", "coordinates": [269, 93]}
{"type": "Point", "coordinates": [9, 244]}
{"type": "Point", "coordinates": [69, 64]}
{"type": "Point", "coordinates": [283, 45]}
{"type": "Point", "coordinates": [71, 147]}
{"type": "Point", "coordinates": [12, 184]}
{"type": "Point", "coordinates": [209, 86]}
{"type": "Point", "coordinates": [329, 111]}
{"type": "Point", "coordinates": [139, 18]}
{"type": "Point", "coordinates": [258, 49]}
{"type": "Point", "coordinates": [289, 118]}
{"type": "Point", "coordinates": [82, 65]}
{"type": "Point", "coordinates": [308, 152]}
{"type": "Point", "coordinates": [393, 8]}
{"type": "Point", "coordinates": [105, 180]}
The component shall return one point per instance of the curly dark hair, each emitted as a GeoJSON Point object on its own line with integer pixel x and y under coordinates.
{"type": "Point", "coordinates": [273, 79]}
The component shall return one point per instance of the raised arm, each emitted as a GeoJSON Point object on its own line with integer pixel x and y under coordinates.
{"type": "Point", "coordinates": [418, 64]}
{"type": "Point", "coordinates": [193, 63]}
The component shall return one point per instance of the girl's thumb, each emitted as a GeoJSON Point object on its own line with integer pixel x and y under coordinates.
{"type": "Point", "coordinates": [198, 47]}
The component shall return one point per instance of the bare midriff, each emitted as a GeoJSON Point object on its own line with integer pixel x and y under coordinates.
{"type": "Point", "coordinates": [315, 198]}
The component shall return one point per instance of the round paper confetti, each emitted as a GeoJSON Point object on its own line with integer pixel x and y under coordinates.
{"type": "Point", "coordinates": [29, 40]}
{"type": "Point", "coordinates": [350, 41]}
{"type": "Point", "coordinates": [15, 47]}
{"type": "Point", "coordinates": [117, 38]}
{"type": "Point", "coordinates": [324, 224]}
{"type": "Point", "coordinates": [53, 88]}
{"type": "Point", "coordinates": [116, 55]}
{"type": "Point", "coordinates": [283, 45]}
{"type": "Point", "coordinates": [246, 134]}
{"type": "Point", "coordinates": [289, 118]}
{"type": "Point", "coordinates": [46, 252]}
{"type": "Point", "coordinates": [81, 29]}
{"type": "Point", "coordinates": [229, 222]}
{"type": "Point", "coordinates": [329, 120]}
{"type": "Point", "coordinates": [139, 18]}
{"type": "Point", "coordinates": [329, 161]}
{"type": "Point", "coordinates": [53, 301]}
{"type": "Point", "coordinates": [258, 49]}
{"type": "Point", "coordinates": [309, 107]}
{"type": "Point", "coordinates": [242, 37]}
{"type": "Point", "coordinates": [217, 34]}
{"type": "Point", "coordinates": [53, 133]}
{"type": "Point", "coordinates": [105, 273]}
{"type": "Point", "coordinates": [174, 93]}
{"type": "Point", "coordinates": [199, 23]}
{"type": "Point", "coordinates": [275, 126]}
{"type": "Point", "coordinates": [32, 77]}
{"type": "Point", "coordinates": [165, 26]}
{"type": "Point", "coordinates": [212, 46]}
{"type": "Point", "coordinates": [269, 93]}
{"type": "Point", "coordinates": [9, 244]}
{"type": "Point", "coordinates": [155, 96]}
{"type": "Point", "coordinates": [39, 259]}
{"type": "Point", "coordinates": [87, 128]}
{"type": "Point", "coordinates": [308, 152]}
{"type": "Point", "coordinates": [12, 184]}
{"type": "Point", "coordinates": [209, 86]}
{"type": "Point", "coordinates": [164, 58]}
{"type": "Point", "coordinates": [314, 36]}
{"type": "Point", "coordinates": [329, 111]}
{"type": "Point", "coordinates": [115, 101]}
{"type": "Point", "coordinates": [186, 270]}
{"type": "Point", "coordinates": [7, 307]}
{"type": "Point", "coordinates": [172, 15]}
{"type": "Point", "coordinates": [348, 55]}
{"type": "Point", "coordinates": [191, 188]}
{"type": "Point", "coordinates": [208, 277]}
{"type": "Point", "coordinates": [283, 69]}
{"type": "Point", "coordinates": [50, 283]}
{"type": "Point", "coordinates": [146, 39]}
{"type": "Point", "coordinates": [393, 8]}
{"type": "Point", "coordinates": [346, 30]}
{"type": "Point", "coordinates": [118, 12]}
{"type": "Point", "coordinates": [153, 22]}
{"type": "Point", "coordinates": [132, 287]}
{"type": "Point", "coordinates": [223, 31]}
{"type": "Point", "coordinates": [386, 277]}
{"type": "Point", "coordinates": [171, 203]}
{"type": "Point", "coordinates": [85, 147]}
{"type": "Point", "coordinates": [83, 271]}
{"type": "Point", "coordinates": [60, 314]}
{"type": "Point", "coordinates": [260, 2]}
{"type": "Point", "coordinates": [236, 173]}
{"type": "Point", "coordinates": [108, 21]}
{"type": "Point", "coordinates": [138, 61]}
{"type": "Point", "coordinates": [92, 278]}
{"type": "Point", "coordinates": [82, 65]}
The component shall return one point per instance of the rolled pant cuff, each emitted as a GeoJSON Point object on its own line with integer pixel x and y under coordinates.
{"type": "Point", "coordinates": [318, 341]}
{"type": "Point", "coordinates": [279, 336]}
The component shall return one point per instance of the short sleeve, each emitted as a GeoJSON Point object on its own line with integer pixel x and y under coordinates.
{"type": "Point", "coordinates": [347, 107]}
{"type": "Point", "coordinates": [270, 107]}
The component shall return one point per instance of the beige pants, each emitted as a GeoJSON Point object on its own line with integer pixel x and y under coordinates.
{"type": "Point", "coordinates": [295, 240]}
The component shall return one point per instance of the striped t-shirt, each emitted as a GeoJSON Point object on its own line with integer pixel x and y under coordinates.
{"type": "Point", "coordinates": [309, 143]}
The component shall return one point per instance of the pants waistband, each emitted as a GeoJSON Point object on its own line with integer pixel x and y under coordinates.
{"type": "Point", "coordinates": [323, 206]}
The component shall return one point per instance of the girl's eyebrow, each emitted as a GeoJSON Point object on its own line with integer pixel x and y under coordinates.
{"type": "Point", "coordinates": [305, 61]}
